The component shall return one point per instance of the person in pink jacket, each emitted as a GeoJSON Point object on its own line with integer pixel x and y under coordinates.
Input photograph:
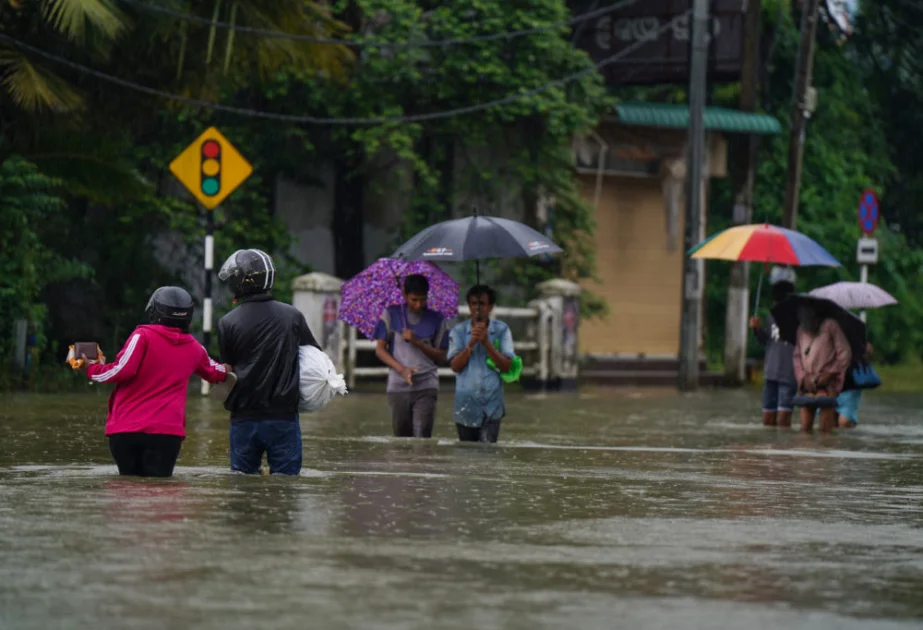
{"type": "Point", "coordinates": [821, 358]}
{"type": "Point", "coordinates": [146, 422]}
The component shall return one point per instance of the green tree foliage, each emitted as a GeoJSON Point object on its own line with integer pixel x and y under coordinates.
{"type": "Point", "coordinates": [120, 209]}
{"type": "Point", "coordinates": [848, 148]}
{"type": "Point", "coordinates": [526, 142]}
{"type": "Point", "coordinates": [193, 53]}
{"type": "Point", "coordinates": [29, 260]}
{"type": "Point", "coordinates": [889, 51]}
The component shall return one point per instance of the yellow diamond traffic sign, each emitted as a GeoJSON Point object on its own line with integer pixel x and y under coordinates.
{"type": "Point", "coordinates": [211, 168]}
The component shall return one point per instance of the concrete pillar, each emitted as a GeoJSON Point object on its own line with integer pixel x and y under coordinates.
{"type": "Point", "coordinates": [563, 298]}
{"type": "Point", "coordinates": [672, 181]}
{"type": "Point", "coordinates": [317, 296]}
{"type": "Point", "coordinates": [20, 333]}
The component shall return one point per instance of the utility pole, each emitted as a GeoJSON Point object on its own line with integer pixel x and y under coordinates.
{"type": "Point", "coordinates": [801, 111]}
{"type": "Point", "coordinates": [735, 326]}
{"type": "Point", "coordinates": [692, 269]}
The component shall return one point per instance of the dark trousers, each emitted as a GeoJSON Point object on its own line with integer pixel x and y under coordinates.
{"type": "Point", "coordinates": [413, 414]}
{"type": "Point", "coordinates": [488, 432]}
{"type": "Point", "coordinates": [279, 439]}
{"type": "Point", "coordinates": [145, 454]}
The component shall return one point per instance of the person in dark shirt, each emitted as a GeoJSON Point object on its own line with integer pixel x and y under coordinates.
{"type": "Point", "coordinates": [780, 385]}
{"type": "Point", "coordinates": [260, 339]}
{"type": "Point", "coordinates": [412, 340]}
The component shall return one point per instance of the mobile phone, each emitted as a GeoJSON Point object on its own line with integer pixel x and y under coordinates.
{"type": "Point", "coordinates": [88, 348]}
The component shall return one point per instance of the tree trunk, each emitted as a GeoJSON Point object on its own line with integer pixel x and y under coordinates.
{"type": "Point", "coordinates": [348, 219]}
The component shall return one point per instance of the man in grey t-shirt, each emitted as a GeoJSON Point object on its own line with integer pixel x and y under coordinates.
{"type": "Point", "coordinates": [412, 339]}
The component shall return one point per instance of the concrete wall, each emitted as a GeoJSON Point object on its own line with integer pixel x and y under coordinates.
{"type": "Point", "coordinates": [483, 179]}
{"type": "Point", "coordinates": [308, 210]}
{"type": "Point", "coordinates": [308, 213]}
{"type": "Point", "coordinates": [387, 195]}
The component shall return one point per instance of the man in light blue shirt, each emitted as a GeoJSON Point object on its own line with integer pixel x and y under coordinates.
{"type": "Point", "coordinates": [479, 405]}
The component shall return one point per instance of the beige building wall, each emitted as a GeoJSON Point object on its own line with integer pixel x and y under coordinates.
{"type": "Point", "coordinates": [640, 274]}
{"type": "Point", "coordinates": [639, 279]}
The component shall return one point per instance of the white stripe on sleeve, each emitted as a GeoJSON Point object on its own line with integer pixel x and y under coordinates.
{"type": "Point", "coordinates": [212, 363]}
{"type": "Point", "coordinates": [105, 376]}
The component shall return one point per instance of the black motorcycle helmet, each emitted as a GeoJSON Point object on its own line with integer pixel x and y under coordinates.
{"type": "Point", "coordinates": [170, 306]}
{"type": "Point", "coordinates": [247, 272]}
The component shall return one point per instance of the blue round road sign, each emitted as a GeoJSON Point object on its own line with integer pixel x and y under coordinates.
{"type": "Point", "coordinates": [868, 212]}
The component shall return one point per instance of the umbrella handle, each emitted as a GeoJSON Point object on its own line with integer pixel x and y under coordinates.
{"type": "Point", "coordinates": [759, 290]}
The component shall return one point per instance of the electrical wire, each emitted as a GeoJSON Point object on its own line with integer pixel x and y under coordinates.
{"type": "Point", "coordinates": [190, 17]}
{"type": "Point", "coordinates": [315, 120]}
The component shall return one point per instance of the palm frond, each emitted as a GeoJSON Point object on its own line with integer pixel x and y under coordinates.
{"type": "Point", "coordinates": [298, 18]}
{"type": "Point", "coordinates": [97, 177]}
{"type": "Point", "coordinates": [34, 88]}
{"type": "Point", "coordinates": [229, 47]}
{"type": "Point", "coordinates": [71, 17]}
{"type": "Point", "coordinates": [212, 32]}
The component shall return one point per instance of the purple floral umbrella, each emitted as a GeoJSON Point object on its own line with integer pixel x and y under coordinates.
{"type": "Point", "coordinates": [368, 294]}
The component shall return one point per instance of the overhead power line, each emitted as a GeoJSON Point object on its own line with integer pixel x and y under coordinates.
{"type": "Point", "coordinates": [316, 120]}
{"type": "Point", "coordinates": [190, 17]}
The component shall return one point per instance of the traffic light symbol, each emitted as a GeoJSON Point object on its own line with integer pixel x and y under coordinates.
{"type": "Point", "coordinates": [211, 168]}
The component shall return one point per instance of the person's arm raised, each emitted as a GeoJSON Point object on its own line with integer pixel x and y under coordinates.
{"type": "Point", "coordinates": [462, 355]}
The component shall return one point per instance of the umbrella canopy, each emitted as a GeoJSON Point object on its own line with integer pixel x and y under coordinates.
{"type": "Point", "coordinates": [786, 316]}
{"type": "Point", "coordinates": [855, 295]}
{"type": "Point", "coordinates": [764, 243]}
{"type": "Point", "coordinates": [368, 294]}
{"type": "Point", "coordinates": [475, 238]}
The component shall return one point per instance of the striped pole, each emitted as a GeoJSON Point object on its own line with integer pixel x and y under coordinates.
{"type": "Point", "coordinates": [207, 300]}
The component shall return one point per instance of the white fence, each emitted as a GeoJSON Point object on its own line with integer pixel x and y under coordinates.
{"type": "Point", "coordinates": [540, 321]}
{"type": "Point", "coordinates": [547, 344]}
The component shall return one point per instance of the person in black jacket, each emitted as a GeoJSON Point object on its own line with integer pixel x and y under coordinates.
{"type": "Point", "coordinates": [260, 339]}
{"type": "Point", "coordinates": [780, 385]}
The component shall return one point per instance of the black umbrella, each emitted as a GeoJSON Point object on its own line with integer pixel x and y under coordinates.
{"type": "Point", "coordinates": [475, 238]}
{"type": "Point", "coordinates": [786, 315]}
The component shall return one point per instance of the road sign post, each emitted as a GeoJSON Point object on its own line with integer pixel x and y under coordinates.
{"type": "Point", "coordinates": [210, 168]}
{"type": "Point", "coordinates": [867, 247]}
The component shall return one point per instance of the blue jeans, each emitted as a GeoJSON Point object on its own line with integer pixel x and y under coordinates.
{"type": "Point", "coordinates": [778, 396]}
{"type": "Point", "coordinates": [279, 439]}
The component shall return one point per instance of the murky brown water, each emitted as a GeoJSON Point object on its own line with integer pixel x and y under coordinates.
{"type": "Point", "coordinates": [607, 510]}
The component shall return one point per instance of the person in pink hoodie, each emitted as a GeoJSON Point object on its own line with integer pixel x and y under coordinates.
{"type": "Point", "coordinates": [146, 422]}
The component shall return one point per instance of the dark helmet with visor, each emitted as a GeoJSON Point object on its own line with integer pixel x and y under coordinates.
{"type": "Point", "coordinates": [170, 306]}
{"type": "Point", "coordinates": [247, 272]}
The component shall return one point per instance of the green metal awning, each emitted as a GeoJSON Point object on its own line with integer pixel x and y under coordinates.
{"type": "Point", "coordinates": [671, 116]}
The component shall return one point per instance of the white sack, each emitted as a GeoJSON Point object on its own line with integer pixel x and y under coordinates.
{"type": "Point", "coordinates": [318, 379]}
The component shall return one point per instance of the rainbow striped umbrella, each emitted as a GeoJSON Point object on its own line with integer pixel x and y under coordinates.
{"type": "Point", "coordinates": [764, 243]}
{"type": "Point", "coordinates": [767, 244]}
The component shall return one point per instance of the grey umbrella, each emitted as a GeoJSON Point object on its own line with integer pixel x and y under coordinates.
{"type": "Point", "coordinates": [855, 295]}
{"type": "Point", "coordinates": [475, 238]}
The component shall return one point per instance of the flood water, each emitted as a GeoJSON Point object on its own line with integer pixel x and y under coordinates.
{"type": "Point", "coordinates": [603, 510]}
